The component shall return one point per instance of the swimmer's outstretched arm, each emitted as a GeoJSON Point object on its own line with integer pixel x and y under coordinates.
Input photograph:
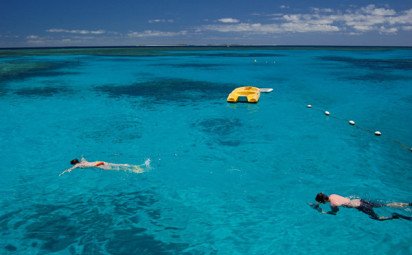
{"type": "Point", "coordinates": [315, 206]}
{"type": "Point", "coordinates": [334, 209]}
{"type": "Point", "coordinates": [68, 170]}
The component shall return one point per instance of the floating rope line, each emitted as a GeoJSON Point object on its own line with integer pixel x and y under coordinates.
{"type": "Point", "coordinates": [353, 123]}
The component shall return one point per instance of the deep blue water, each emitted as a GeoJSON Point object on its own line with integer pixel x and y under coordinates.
{"type": "Point", "coordinates": [225, 178]}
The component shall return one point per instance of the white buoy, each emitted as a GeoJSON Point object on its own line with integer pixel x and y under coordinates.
{"type": "Point", "coordinates": [255, 60]}
{"type": "Point", "coordinates": [327, 113]}
{"type": "Point", "coordinates": [309, 106]}
{"type": "Point", "coordinates": [351, 122]}
{"type": "Point", "coordinates": [378, 133]}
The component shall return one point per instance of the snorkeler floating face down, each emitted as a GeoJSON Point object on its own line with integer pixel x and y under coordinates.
{"type": "Point", "coordinates": [362, 205]}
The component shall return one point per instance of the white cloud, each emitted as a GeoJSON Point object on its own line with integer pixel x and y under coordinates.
{"type": "Point", "coordinates": [258, 28]}
{"type": "Point", "coordinates": [35, 39]}
{"type": "Point", "coordinates": [351, 21]}
{"type": "Point", "coordinates": [318, 10]}
{"type": "Point", "coordinates": [404, 18]}
{"type": "Point", "coordinates": [154, 33]}
{"type": "Point", "coordinates": [77, 31]}
{"type": "Point", "coordinates": [388, 30]}
{"type": "Point", "coordinates": [62, 40]}
{"type": "Point", "coordinates": [372, 10]}
{"type": "Point", "coordinates": [228, 20]}
{"type": "Point", "coordinates": [244, 27]}
{"type": "Point", "coordinates": [362, 28]}
{"type": "Point", "coordinates": [32, 37]}
{"type": "Point", "coordinates": [160, 20]}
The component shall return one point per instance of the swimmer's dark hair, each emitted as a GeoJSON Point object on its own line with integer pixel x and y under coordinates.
{"type": "Point", "coordinates": [321, 198]}
{"type": "Point", "coordinates": [74, 161]}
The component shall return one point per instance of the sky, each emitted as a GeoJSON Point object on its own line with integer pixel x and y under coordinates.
{"type": "Point", "coordinates": [55, 23]}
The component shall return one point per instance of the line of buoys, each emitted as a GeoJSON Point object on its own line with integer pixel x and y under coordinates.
{"type": "Point", "coordinates": [353, 123]}
{"type": "Point", "coordinates": [266, 61]}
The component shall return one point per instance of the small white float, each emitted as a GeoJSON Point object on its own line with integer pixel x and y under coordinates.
{"type": "Point", "coordinates": [265, 90]}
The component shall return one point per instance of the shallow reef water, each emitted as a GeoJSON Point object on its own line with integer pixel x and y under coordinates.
{"type": "Point", "coordinates": [223, 178]}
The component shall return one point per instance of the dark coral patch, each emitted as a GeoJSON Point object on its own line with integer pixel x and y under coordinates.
{"type": "Point", "coordinates": [129, 203]}
{"type": "Point", "coordinates": [90, 51]}
{"type": "Point", "coordinates": [372, 64]}
{"type": "Point", "coordinates": [380, 77]}
{"type": "Point", "coordinates": [232, 143]}
{"type": "Point", "coordinates": [145, 51]}
{"type": "Point", "coordinates": [207, 66]}
{"type": "Point", "coordinates": [227, 54]}
{"type": "Point", "coordinates": [56, 231]}
{"type": "Point", "coordinates": [219, 126]}
{"type": "Point", "coordinates": [134, 241]}
{"type": "Point", "coordinates": [41, 91]}
{"type": "Point", "coordinates": [3, 91]}
{"type": "Point", "coordinates": [5, 220]}
{"type": "Point", "coordinates": [10, 247]}
{"type": "Point", "coordinates": [168, 90]}
{"type": "Point", "coordinates": [23, 69]}
{"type": "Point", "coordinates": [93, 225]}
{"type": "Point", "coordinates": [246, 55]}
{"type": "Point", "coordinates": [117, 131]}
{"type": "Point", "coordinates": [221, 130]}
{"type": "Point", "coordinates": [407, 99]}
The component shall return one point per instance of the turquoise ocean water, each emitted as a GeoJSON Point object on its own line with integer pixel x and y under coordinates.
{"type": "Point", "coordinates": [225, 178]}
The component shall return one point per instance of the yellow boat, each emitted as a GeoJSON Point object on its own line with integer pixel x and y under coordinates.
{"type": "Point", "coordinates": [251, 94]}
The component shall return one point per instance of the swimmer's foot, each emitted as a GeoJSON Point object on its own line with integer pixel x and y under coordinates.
{"type": "Point", "coordinates": [147, 163]}
{"type": "Point", "coordinates": [400, 216]}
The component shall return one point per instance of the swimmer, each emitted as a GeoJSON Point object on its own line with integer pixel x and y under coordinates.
{"type": "Point", "coordinates": [83, 163]}
{"type": "Point", "coordinates": [362, 205]}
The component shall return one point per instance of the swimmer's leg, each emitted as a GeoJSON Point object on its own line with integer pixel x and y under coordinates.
{"type": "Point", "coordinates": [400, 216]}
{"type": "Point", "coordinates": [383, 218]}
{"type": "Point", "coordinates": [366, 207]}
{"type": "Point", "coordinates": [137, 169]}
{"type": "Point", "coordinates": [126, 167]}
{"type": "Point", "coordinates": [393, 217]}
{"type": "Point", "coordinates": [398, 205]}
{"type": "Point", "coordinates": [113, 166]}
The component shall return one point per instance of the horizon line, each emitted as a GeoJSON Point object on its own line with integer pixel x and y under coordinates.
{"type": "Point", "coordinates": [207, 45]}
